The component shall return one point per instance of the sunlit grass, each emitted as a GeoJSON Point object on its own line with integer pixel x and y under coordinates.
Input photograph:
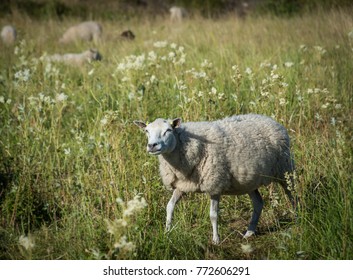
{"type": "Point", "coordinates": [69, 150]}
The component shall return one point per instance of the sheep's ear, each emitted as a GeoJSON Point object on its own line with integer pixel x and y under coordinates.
{"type": "Point", "coordinates": [176, 123]}
{"type": "Point", "coordinates": [140, 124]}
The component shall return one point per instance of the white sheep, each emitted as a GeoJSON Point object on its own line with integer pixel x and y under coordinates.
{"type": "Point", "coordinates": [8, 35]}
{"type": "Point", "coordinates": [233, 156]}
{"type": "Point", "coordinates": [76, 59]}
{"type": "Point", "coordinates": [85, 31]}
{"type": "Point", "coordinates": [177, 13]}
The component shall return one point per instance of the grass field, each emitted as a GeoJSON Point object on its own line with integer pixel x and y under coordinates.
{"type": "Point", "coordinates": [77, 183]}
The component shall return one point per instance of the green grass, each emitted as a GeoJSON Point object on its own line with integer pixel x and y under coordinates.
{"type": "Point", "coordinates": [69, 149]}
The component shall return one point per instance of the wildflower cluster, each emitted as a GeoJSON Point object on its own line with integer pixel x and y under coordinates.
{"type": "Point", "coordinates": [164, 53]}
{"type": "Point", "coordinates": [273, 83]}
{"type": "Point", "coordinates": [119, 228]}
{"type": "Point", "coordinates": [27, 243]}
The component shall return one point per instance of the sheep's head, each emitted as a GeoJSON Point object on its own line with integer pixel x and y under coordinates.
{"type": "Point", "coordinates": [160, 134]}
{"type": "Point", "coordinates": [93, 54]}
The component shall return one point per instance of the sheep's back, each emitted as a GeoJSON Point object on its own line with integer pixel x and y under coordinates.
{"type": "Point", "coordinates": [85, 31]}
{"type": "Point", "coordinates": [8, 34]}
{"type": "Point", "coordinates": [243, 152]}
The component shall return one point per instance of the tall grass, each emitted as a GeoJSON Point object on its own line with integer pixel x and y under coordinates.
{"type": "Point", "coordinates": [72, 163]}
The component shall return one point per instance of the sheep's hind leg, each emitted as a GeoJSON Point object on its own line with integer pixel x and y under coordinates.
{"type": "Point", "coordinates": [170, 207]}
{"type": "Point", "coordinates": [257, 203]}
{"type": "Point", "coordinates": [214, 216]}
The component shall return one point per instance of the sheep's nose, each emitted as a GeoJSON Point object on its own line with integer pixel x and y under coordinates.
{"type": "Point", "coordinates": [151, 146]}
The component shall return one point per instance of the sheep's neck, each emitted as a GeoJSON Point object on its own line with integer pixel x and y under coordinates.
{"type": "Point", "coordinates": [186, 156]}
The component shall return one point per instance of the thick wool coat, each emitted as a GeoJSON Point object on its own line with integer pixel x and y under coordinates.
{"type": "Point", "coordinates": [235, 155]}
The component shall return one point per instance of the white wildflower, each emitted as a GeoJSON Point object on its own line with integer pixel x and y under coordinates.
{"type": "Point", "coordinates": [265, 64]}
{"type": "Point", "coordinates": [289, 64]}
{"type": "Point", "coordinates": [350, 34]}
{"type": "Point", "coordinates": [131, 96]}
{"type": "Point", "coordinates": [67, 151]}
{"type": "Point", "coordinates": [248, 71]}
{"type": "Point", "coordinates": [119, 201]}
{"type": "Point", "coordinates": [26, 75]}
{"type": "Point", "coordinates": [152, 56]}
{"type": "Point", "coordinates": [104, 121]}
{"type": "Point", "coordinates": [124, 245]}
{"type": "Point", "coordinates": [61, 97]}
{"type": "Point", "coordinates": [247, 248]}
{"type": "Point", "coordinates": [282, 102]}
{"type": "Point", "coordinates": [134, 205]}
{"type": "Point", "coordinates": [181, 60]}
{"type": "Point", "coordinates": [213, 91]}
{"type": "Point", "coordinates": [2, 99]}
{"type": "Point", "coordinates": [274, 76]}
{"type": "Point", "coordinates": [22, 76]}
{"type": "Point", "coordinates": [160, 44]}
{"type": "Point", "coordinates": [206, 64]}
{"type": "Point", "coordinates": [26, 241]}
{"type": "Point", "coordinates": [153, 79]}
{"type": "Point", "coordinates": [320, 49]}
{"type": "Point", "coordinates": [324, 106]}
{"type": "Point", "coordinates": [221, 95]}
{"type": "Point", "coordinates": [325, 91]}
{"type": "Point", "coordinates": [333, 121]}
{"type": "Point", "coordinates": [173, 45]}
{"type": "Point", "coordinates": [303, 48]}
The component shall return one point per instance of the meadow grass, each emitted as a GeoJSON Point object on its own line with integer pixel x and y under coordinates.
{"type": "Point", "coordinates": [76, 182]}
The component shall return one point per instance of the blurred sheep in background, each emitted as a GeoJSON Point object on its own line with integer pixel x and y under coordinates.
{"type": "Point", "coordinates": [8, 35]}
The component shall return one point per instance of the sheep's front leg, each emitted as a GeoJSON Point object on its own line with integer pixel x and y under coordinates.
{"type": "Point", "coordinates": [214, 216]}
{"type": "Point", "coordinates": [170, 207]}
{"type": "Point", "coordinates": [257, 203]}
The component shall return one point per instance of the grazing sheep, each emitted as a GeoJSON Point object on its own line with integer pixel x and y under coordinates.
{"type": "Point", "coordinates": [8, 35]}
{"type": "Point", "coordinates": [233, 156]}
{"type": "Point", "coordinates": [177, 14]}
{"type": "Point", "coordinates": [77, 59]}
{"type": "Point", "coordinates": [86, 31]}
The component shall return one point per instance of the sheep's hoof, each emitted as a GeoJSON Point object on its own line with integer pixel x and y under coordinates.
{"type": "Point", "coordinates": [215, 240]}
{"type": "Point", "coordinates": [248, 234]}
